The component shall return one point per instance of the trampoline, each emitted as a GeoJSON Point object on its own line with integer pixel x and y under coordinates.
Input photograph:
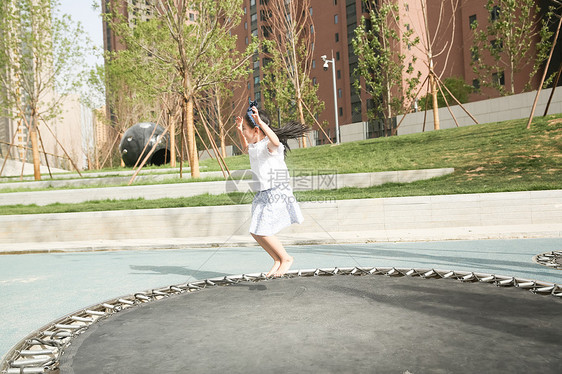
{"type": "Point", "coordinates": [379, 320]}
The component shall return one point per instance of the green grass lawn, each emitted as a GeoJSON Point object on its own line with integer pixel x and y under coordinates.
{"type": "Point", "coordinates": [493, 157]}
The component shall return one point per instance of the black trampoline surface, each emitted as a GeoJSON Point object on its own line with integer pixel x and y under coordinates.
{"type": "Point", "coordinates": [335, 324]}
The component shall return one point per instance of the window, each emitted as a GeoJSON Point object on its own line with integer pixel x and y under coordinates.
{"type": "Point", "coordinates": [472, 21]}
{"type": "Point", "coordinates": [409, 44]}
{"type": "Point", "coordinates": [314, 81]}
{"type": "Point", "coordinates": [256, 80]}
{"type": "Point", "coordinates": [257, 96]}
{"type": "Point", "coordinates": [257, 64]}
{"type": "Point", "coordinates": [312, 29]}
{"type": "Point", "coordinates": [339, 74]}
{"type": "Point", "coordinates": [336, 18]}
{"type": "Point", "coordinates": [254, 17]}
{"type": "Point", "coordinates": [313, 64]}
{"type": "Point", "coordinates": [474, 54]}
{"type": "Point", "coordinates": [265, 15]}
{"type": "Point", "coordinates": [495, 13]}
{"type": "Point", "coordinates": [246, 40]}
{"type": "Point", "coordinates": [475, 85]}
{"type": "Point", "coordinates": [337, 56]}
{"type": "Point", "coordinates": [191, 17]}
{"type": "Point", "coordinates": [310, 10]}
{"type": "Point", "coordinates": [497, 45]}
{"type": "Point", "coordinates": [499, 78]}
{"type": "Point", "coordinates": [366, 6]}
{"type": "Point", "coordinates": [339, 92]}
{"type": "Point", "coordinates": [335, 2]}
{"type": "Point", "coordinates": [252, 2]}
{"type": "Point", "coordinates": [337, 37]}
{"type": "Point", "coordinates": [245, 25]}
{"type": "Point", "coordinates": [340, 111]}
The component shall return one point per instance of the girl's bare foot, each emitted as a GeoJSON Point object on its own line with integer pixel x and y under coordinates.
{"type": "Point", "coordinates": [276, 265]}
{"type": "Point", "coordinates": [284, 267]}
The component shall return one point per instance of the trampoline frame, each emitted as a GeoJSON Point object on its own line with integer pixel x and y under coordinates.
{"type": "Point", "coordinates": [41, 351]}
{"type": "Point", "coordinates": [549, 259]}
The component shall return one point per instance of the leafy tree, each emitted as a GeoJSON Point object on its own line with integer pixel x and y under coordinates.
{"type": "Point", "coordinates": [515, 37]}
{"type": "Point", "coordinates": [39, 51]}
{"type": "Point", "coordinates": [189, 55]}
{"type": "Point", "coordinates": [387, 76]}
{"type": "Point", "coordinates": [287, 69]}
{"type": "Point", "coordinates": [457, 86]}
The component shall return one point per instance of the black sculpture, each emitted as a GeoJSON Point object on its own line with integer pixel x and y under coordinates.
{"type": "Point", "coordinates": [139, 135]}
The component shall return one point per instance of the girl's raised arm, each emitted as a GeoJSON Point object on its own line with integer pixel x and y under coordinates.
{"type": "Point", "coordinates": [243, 140]}
{"type": "Point", "coordinates": [273, 138]}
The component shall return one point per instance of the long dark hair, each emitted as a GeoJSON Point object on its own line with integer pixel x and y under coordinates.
{"type": "Point", "coordinates": [290, 130]}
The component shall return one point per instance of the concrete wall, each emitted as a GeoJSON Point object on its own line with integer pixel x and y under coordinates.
{"type": "Point", "coordinates": [353, 132]}
{"type": "Point", "coordinates": [14, 168]}
{"type": "Point", "coordinates": [311, 181]}
{"type": "Point", "coordinates": [369, 216]}
{"type": "Point", "coordinates": [485, 111]}
{"type": "Point", "coordinates": [203, 155]}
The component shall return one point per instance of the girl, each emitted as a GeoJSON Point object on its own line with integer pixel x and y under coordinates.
{"type": "Point", "coordinates": [274, 206]}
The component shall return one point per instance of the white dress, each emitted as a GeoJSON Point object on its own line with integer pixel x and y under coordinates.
{"type": "Point", "coordinates": [274, 206]}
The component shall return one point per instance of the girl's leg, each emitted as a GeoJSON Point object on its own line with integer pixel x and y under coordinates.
{"type": "Point", "coordinates": [275, 249]}
{"type": "Point", "coordinates": [271, 252]}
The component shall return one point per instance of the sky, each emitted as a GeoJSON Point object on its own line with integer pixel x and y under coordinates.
{"type": "Point", "coordinates": [83, 11]}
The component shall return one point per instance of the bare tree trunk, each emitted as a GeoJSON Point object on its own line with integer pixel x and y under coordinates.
{"type": "Point", "coordinates": [35, 150]}
{"type": "Point", "coordinates": [387, 120]}
{"type": "Point", "coordinates": [433, 85]}
{"type": "Point", "coordinates": [172, 125]}
{"type": "Point", "coordinates": [191, 143]}
{"type": "Point", "coordinates": [301, 114]}
{"type": "Point", "coordinates": [222, 134]}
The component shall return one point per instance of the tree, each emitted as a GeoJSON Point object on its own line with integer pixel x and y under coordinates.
{"type": "Point", "coordinates": [216, 108]}
{"type": "Point", "coordinates": [198, 53]}
{"type": "Point", "coordinates": [39, 51]}
{"type": "Point", "coordinates": [383, 72]}
{"type": "Point", "coordinates": [514, 38]}
{"type": "Point", "coordinates": [288, 45]}
{"type": "Point", "coordinates": [436, 40]}
{"type": "Point", "coordinates": [457, 88]}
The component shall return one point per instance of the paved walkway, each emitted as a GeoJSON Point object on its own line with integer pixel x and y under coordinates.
{"type": "Point", "coordinates": [472, 233]}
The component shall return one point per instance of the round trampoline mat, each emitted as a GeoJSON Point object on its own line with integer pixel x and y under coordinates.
{"type": "Point", "coordinates": [329, 324]}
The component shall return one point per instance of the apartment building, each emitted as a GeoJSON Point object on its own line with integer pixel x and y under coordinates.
{"type": "Point", "coordinates": [447, 30]}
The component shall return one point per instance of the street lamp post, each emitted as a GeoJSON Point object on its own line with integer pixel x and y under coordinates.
{"type": "Point", "coordinates": [333, 62]}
